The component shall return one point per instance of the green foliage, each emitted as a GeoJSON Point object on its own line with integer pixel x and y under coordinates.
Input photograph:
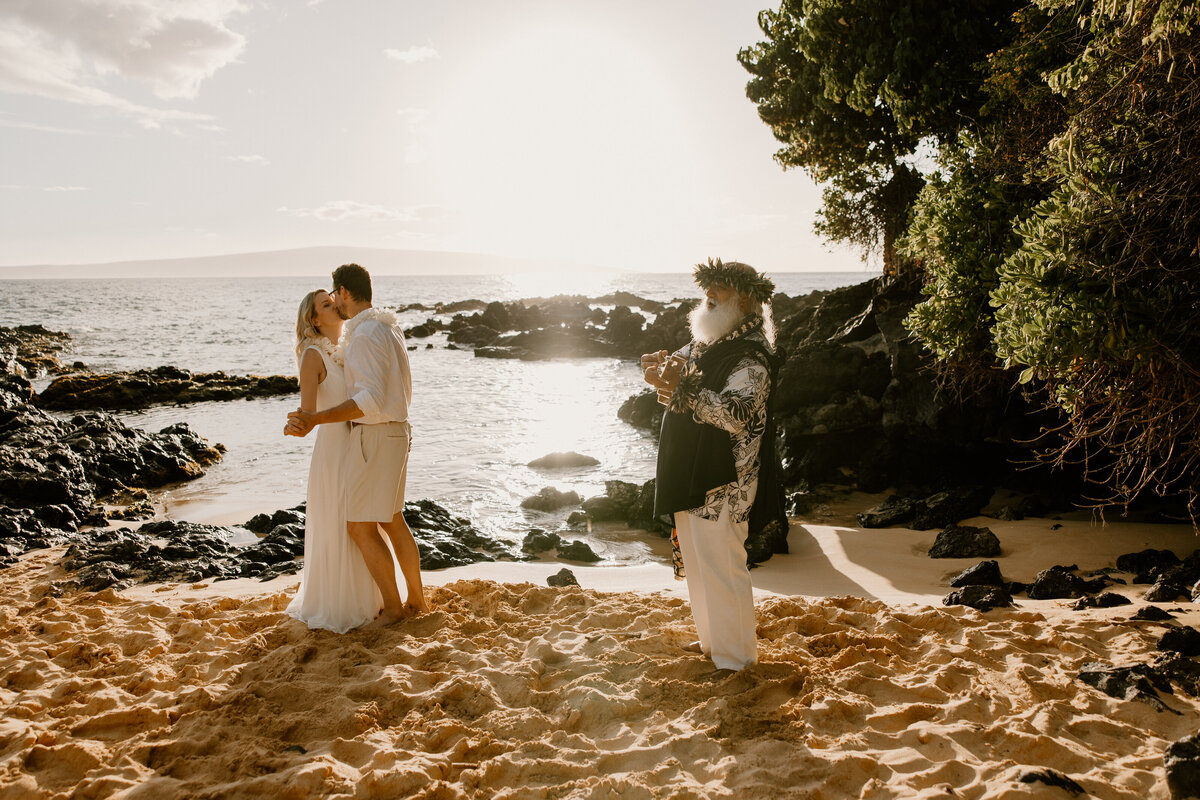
{"type": "Point", "coordinates": [1099, 302]}
{"type": "Point", "coordinates": [962, 231]}
{"type": "Point", "coordinates": [852, 87]}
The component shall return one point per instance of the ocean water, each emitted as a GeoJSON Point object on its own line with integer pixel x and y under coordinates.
{"type": "Point", "coordinates": [476, 421]}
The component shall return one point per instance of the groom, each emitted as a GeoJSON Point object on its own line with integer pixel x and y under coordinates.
{"type": "Point", "coordinates": [379, 383]}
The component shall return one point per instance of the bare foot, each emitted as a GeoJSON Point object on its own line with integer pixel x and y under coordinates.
{"type": "Point", "coordinates": [694, 647]}
{"type": "Point", "coordinates": [415, 609]}
{"type": "Point", "coordinates": [384, 619]}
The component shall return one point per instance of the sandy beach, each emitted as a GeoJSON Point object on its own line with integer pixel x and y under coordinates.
{"type": "Point", "coordinates": [867, 686]}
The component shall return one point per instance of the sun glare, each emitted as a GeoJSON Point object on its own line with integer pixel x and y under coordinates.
{"type": "Point", "coordinates": [565, 140]}
{"type": "Point", "coordinates": [549, 284]}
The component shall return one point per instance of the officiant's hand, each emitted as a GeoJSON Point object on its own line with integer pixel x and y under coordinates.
{"type": "Point", "coordinates": [299, 423]}
{"type": "Point", "coordinates": [651, 366]}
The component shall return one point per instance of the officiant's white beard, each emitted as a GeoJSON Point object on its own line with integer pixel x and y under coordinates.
{"type": "Point", "coordinates": [711, 322]}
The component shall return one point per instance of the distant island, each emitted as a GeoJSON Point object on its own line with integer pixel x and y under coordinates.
{"type": "Point", "coordinates": [299, 261]}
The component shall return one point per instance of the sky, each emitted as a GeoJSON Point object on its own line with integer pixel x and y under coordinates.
{"type": "Point", "coordinates": [614, 134]}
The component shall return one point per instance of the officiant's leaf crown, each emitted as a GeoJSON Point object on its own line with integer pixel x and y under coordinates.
{"type": "Point", "coordinates": [735, 275]}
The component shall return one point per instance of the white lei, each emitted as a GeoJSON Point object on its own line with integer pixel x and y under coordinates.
{"type": "Point", "coordinates": [327, 347]}
{"type": "Point", "coordinates": [378, 314]}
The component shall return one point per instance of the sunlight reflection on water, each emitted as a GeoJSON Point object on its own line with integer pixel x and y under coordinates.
{"type": "Point", "coordinates": [477, 421]}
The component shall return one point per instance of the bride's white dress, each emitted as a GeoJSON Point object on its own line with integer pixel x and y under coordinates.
{"type": "Point", "coordinates": [336, 590]}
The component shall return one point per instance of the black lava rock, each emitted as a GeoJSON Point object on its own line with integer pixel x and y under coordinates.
{"type": "Point", "coordinates": [1143, 562]}
{"type": "Point", "coordinates": [617, 502]}
{"type": "Point", "coordinates": [1050, 778]}
{"type": "Point", "coordinates": [577, 551]}
{"type": "Point", "coordinates": [1102, 600]}
{"type": "Point", "coordinates": [1062, 582]}
{"type": "Point", "coordinates": [1164, 591]}
{"type": "Point", "coordinates": [564, 577]}
{"type": "Point", "coordinates": [550, 499]}
{"type": "Point", "coordinates": [1182, 764]}
{"type": "Point", "coordinates": [1138, 682]}
{"type": "Point", "coordinates": [563, 461]}
{"type": "Point", "coordinates": [1184, 640]}
{"type": "Point", "coordinates": [1153, 614]}
{"type": "Point", "coordinates": [985, 573]}
{"type": "Point", "coordinates": [983, 598]}
{"type": "Point", "coordinates": [965, 542]}
{"type": "Point", "coordinates": [539, 541]}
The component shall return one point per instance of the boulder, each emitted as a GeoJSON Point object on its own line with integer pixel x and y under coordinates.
{"type": "Point", "coordinates": [550, 499]}
{"type": "Point", "coordinates": [965, 542]}
{"type": "Point", "coordinates": [563, 461]}
{"type": "Point", "coordinates": [983, 598]}
{"type": "Point", "coordinates": [1102, 600]}
{"type": "Point", "coordinates": [1145, 564]}
{"type": "Point", "coordinates": [539, 541]}
{"type": "Point", "coordinates": [1152, 614]}
{"type": "Point", "coordinates": [985, 573]}
{"type": "Point", "coordinates": [1184, 640]}
{"type": "Point", "coordinates": [895, 510]}
{"type": "Point", "coordinates": [643, 411]}
{"type": "Point", "coordinates": [1138, 682]}
{"type": "Point", "coordinates": [1181, 761]}
{"type": "Point", "coordinates": [1164, 591]}
{"type": "Point", "coordinates": [1051, 778]}
{"type": "Point", "coordinates": [577, 551]}
{"type": "Point", "coordinates": [564, 577]}
{"type": "Point", "coordinates": [1062, 582]}
{"type": "Point", "coordinates": [616, 504]}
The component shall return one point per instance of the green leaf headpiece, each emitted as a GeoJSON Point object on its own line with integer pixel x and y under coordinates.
{"type": "Point", "coordinates": [735, 275]}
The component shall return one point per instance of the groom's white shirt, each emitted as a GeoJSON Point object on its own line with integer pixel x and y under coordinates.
{"type": "Point", "coordinates": [378, 377]}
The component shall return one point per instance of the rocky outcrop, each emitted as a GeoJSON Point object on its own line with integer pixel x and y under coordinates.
{"type": "Point", "coordinates": [31, 350]}
{"type": "Point", "coordinates": [127, 391]}
{"type": "Point", "coordinates": [550, 499]}
{"type": "Point", "coordinates": [175, 551]}
{"type": "Point", "coordinates": [643, 411]}
{"type": "Point", "coordinates": [445, 540]}
{"type": "Point", "coordinates": [54, 470]}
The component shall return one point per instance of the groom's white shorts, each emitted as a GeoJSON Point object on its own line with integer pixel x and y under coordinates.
{"type": "Point", "coordinates": [374, 471]}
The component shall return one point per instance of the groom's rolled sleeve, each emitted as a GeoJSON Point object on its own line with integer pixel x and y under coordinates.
{"type": "Point", "coordinates": [370, 361]}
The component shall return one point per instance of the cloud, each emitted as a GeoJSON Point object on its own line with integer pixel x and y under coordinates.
{"type": "Point", "coordinates": [255, 159]}
{"type": "Point", "coordinates": [66, 189]}
{"type": "Point", "coordinates": [412, 55]}
{"type": "Point", "coordinates": [33, 126]}
{"type": "Point", "coordinates": [66, 49]}
{"type": "Point", "coordinates": [340, 210]}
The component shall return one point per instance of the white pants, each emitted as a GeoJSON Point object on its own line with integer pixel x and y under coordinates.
{"type": "Point", "coordinates": [718, 581]}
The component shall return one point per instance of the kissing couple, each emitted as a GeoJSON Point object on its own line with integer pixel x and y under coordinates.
{"type": "Point", "coordinates": [355, 387]}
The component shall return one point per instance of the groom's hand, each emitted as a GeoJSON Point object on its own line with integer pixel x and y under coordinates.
{"type": "Point", "coordinates": [299, 423]}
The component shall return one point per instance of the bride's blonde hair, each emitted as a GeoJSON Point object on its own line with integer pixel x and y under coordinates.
{"type": "Point", "coordinates": [306, 329]}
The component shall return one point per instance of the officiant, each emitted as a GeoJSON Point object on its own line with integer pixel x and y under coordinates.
{"type": "Point", "coordinates": [717, 470]}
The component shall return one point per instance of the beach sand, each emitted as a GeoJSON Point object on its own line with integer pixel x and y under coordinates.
{"type": "Point", "coordinates": [867, 686]}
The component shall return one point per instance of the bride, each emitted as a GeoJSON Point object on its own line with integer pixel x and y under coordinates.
{"type": "Point", "coordinates": [336, 590]}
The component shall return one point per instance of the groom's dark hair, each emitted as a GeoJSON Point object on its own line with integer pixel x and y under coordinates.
{"type": "Point", "coordinates": [355, 280]}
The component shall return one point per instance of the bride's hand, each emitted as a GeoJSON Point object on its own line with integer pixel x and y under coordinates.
{"type": "Point", "coordinates": [299, 423]}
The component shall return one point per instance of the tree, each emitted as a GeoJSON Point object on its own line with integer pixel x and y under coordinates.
{"type": "Point", "coordinates": [853, 87]}
{"type": "Point", "coordinates": [1098, 303]}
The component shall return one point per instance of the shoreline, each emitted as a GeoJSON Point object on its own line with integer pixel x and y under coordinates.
{"type": "Point", "coordinates": [511, 689]}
